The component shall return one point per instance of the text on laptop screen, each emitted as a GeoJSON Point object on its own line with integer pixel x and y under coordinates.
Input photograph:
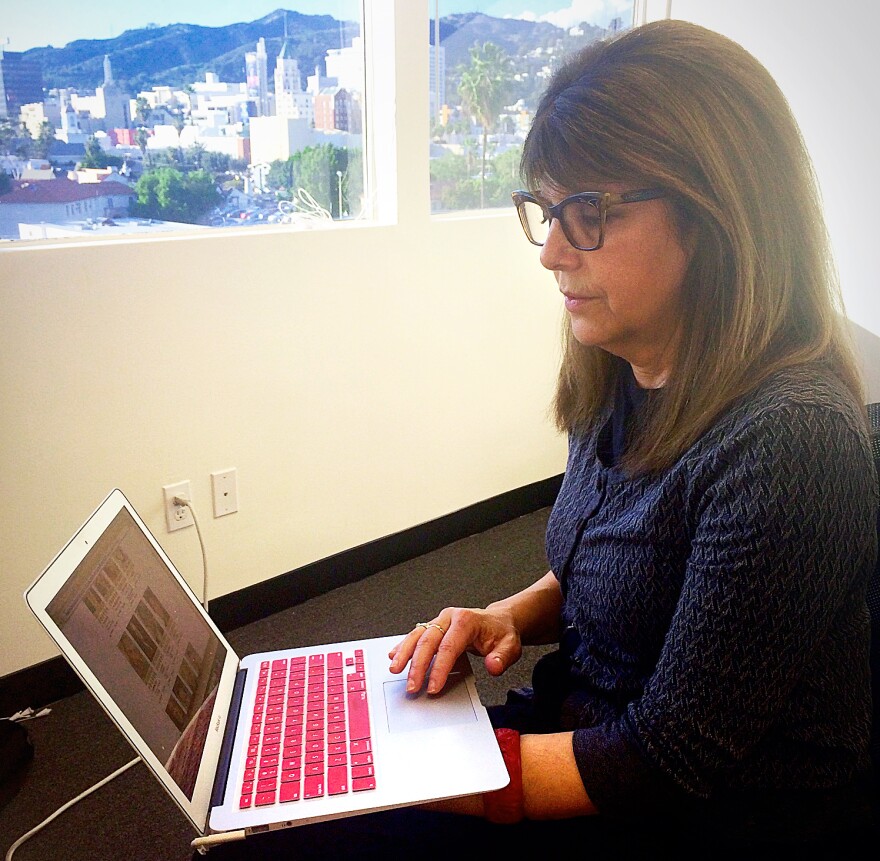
{"type": "Point", "coordinates": [146, 642]}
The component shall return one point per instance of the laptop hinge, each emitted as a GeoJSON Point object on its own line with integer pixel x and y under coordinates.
{"type": "Point", "coordinates": [222, 775]}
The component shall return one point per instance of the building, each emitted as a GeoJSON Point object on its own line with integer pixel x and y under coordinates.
{"type": "Point", "coordinates": [37, 169]}
{"type": "Point", "coordinates": [336, 109]}
{"type": "Point", "coordinates": [34, 114]}
{"type": "Point", "coordinates": [291, 100]}
{"type": "Point", "coordinates": [21, 83]}
{"type": "Point", "coordinates": [437, 85]}
{"type": "Point", "coordinates": [278, 138]}
{"type": "Point", "coordinates": [317, 82]}
{"type": "Point", "coordinates": [57, 201]}
{"type": "Point", "coordinates": [346, 65]}
{"type": "Point", "coordinates": [109, 105]}
{"type": "Point", "coordinates": [256, 65]}
{"type": "Point", "coordinates": [103, 228]}
{"type": "Point", "coordinates": [75, 128]}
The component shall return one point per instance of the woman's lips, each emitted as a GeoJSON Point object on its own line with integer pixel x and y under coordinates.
{"type": "Point", "coordinates": [573, 303]}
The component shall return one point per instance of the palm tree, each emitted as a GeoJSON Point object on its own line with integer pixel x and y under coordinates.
{"type": "Point", "coordinates": [142, 136]}
{"type": "Point", "coordinates": [484, 87]}
{"type": "Point", "coordinates": [142, 111]}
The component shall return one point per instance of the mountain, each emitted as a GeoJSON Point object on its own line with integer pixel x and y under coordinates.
{"type": "Point", "coordinates": [459, 33]}
{"type": "Point", "coordinates": [180, 54]}
{"type": "Point", "coordinates": [520, 39]}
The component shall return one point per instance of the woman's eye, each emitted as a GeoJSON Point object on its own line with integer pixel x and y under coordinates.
{"type": "Point", "coordinates": [585, 212]}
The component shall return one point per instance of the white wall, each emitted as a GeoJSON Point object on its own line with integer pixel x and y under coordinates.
{"type": "Point", "coordinates": [362, 380]}
{"type": "Point", "coordinates": [824, 57]}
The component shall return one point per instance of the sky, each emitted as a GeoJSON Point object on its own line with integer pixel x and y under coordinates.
{"type": "Point", "coordinates": [63, 21]}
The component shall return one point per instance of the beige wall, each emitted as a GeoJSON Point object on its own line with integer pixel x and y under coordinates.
{"type": "Point", "coordinates": [362, 380]}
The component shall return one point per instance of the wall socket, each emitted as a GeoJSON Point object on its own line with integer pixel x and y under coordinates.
{"type": "Point", "coordinates": [177, 516]}
{"type": "Point", "coordinates": [224, 485]}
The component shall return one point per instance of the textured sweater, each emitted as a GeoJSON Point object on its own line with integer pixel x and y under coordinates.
{"type": "Point", "coordinates": [717, 627]}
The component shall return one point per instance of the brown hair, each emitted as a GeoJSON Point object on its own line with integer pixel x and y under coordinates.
{"type": "Point", "coordinates": [673, 105]}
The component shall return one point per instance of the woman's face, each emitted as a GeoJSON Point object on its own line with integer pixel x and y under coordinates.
{"type": "Point", "coordinates": [625, 297]}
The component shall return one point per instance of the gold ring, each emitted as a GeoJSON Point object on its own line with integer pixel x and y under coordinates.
{"type": "Point", "coordinates": [421, 625]}
{"type": "Point", "coordinates": [440, 628]}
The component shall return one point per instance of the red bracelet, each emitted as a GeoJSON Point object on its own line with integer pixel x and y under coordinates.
{"type": "Point", "coordinates": [506, 805]}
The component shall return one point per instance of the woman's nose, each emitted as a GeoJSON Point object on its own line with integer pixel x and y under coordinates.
{"type": "Point", "coordinates": [557, 251]}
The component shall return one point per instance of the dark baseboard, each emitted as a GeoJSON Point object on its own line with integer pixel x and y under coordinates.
{"type": "Point", "coordinates": [54, 679]}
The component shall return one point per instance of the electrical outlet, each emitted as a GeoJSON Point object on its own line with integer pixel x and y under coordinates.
{"type": "Point", "coordinates": [177, 516]}
{"type": "Point", "coordinates": [225, 487]}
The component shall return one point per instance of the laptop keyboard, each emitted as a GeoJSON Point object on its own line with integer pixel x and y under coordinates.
{"type": "Point", "coordinates": [310, 730]}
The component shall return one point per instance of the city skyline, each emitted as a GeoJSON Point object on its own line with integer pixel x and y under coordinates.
{"type": "Point", "coordinates": [61, 22]}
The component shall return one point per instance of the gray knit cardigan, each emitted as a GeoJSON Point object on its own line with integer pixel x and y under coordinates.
{"type": "Point", "coordinates": [717, 629]}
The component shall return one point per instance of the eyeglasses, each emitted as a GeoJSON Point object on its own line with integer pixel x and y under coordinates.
{"type": "Point", "coordinates": [581, 216]}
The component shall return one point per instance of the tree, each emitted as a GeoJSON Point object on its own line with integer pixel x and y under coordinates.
{"type": "Point", "coordinates": [484, 88]}
{"type": "Point", "coordinates": [142, 111]}
{"type": "Point", "coordinates": [178, 120]}
{"type": "Point", "coordinates": [168, 194]}
{"type": "Point", "coordinates": [190, 92]}
{"type": "Point", "coordinates": [314, 169]}
{"type": "Point", "coordinates": [9, 134]}
{"type": "Point", "coordinates": [44, 140]}
{"type": "Point", "coordinates": [5, 182]}
{"type": "Point", "coordinates": [279, 177]}
{"type": "Point", "coordinates": [95, 156]}
{"type": "Point", "coordinates": [317, 169]}
{"type": "Point", "coordinates": [14, 139]}
{"type": "Point", "coordinates": [142, 137]}
{"type": "Point", "coordinates": [215, 162]}
{"type": "Point", "coordinates": [195, 155]}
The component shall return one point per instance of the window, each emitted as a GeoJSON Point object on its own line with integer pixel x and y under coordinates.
{"type": "Point", "coordinates": [197, 125]}
{"type": "Point", "coordinates": [489, 63]}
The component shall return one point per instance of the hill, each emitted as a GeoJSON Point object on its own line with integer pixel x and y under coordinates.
{"type": "Point", "coordinates": [180, 54]}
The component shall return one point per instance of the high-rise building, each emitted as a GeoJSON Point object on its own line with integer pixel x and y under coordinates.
{"type": "Point", "coordinates": [257, 76]}
{"type": "Point", "coordinates": [113, 101]}
{"type": "Point", "coordinates": [21, 83]}
{"type": "Point", "coordinates": [437, 81]}
{"type": "Point", "coordinates": [291, 100]}
{"type": "Point", "coordinates": [346, 65]}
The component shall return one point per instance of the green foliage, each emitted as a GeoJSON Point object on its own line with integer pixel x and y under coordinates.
{"type": "Point", "coordinates": [44, 140]}
{"type": "Point", "coordinates": [453, 185]}
{"type": "Point", "coordinates": [170, 195]}
{"type": "Point", "coordinates": [484, 88]}
{"type": "Point", "coordinates": [486, 83]}
{"type": "Point", "coordinates": [142, 111]}
{"type": "Point", "coordinates": [216, 162]}
{"type": "Point", "coordinates": [95, 157]}
{"type": "Point", "coordinates": [142, 138]}
{"type": "Point", "coordinates": [14, 139]}
{"type": "Point", "coordinates": [314, 169]}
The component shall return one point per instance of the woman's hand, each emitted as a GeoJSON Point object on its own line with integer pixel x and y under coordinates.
{"type": "Point", "coordinates": [456, 630]}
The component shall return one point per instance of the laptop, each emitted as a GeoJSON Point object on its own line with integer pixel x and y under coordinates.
{"type": "Point", "coordinates": [272, 740]}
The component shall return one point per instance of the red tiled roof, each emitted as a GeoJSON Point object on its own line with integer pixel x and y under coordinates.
{"type": "Point", "coordinates": [61, 191]}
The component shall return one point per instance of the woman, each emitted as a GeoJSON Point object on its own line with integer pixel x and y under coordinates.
{"type": "Point", "coordinates": [715, 530]}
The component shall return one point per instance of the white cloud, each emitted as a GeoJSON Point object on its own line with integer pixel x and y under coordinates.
{"type": "Point", "coordinates": [599, 12]}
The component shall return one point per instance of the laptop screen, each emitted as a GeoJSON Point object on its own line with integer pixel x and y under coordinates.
{"type": "Point", "coordinates": [146, 643]}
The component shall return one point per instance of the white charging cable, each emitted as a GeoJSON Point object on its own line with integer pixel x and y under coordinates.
{"type": "Point", "coordinates": [68, 805]}
{"type": "Point", "coordinates": [180, 500]}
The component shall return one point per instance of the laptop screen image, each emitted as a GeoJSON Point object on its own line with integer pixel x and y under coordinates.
{"type": "Point", "coordinates": [146, 643]}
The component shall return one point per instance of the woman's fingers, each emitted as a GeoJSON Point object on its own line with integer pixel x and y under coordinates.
{"type": "Point", "coordinates": [432, 648]}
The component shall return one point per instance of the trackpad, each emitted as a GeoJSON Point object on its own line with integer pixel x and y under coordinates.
{"type": "Point", "coordinates": [408, 712]}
